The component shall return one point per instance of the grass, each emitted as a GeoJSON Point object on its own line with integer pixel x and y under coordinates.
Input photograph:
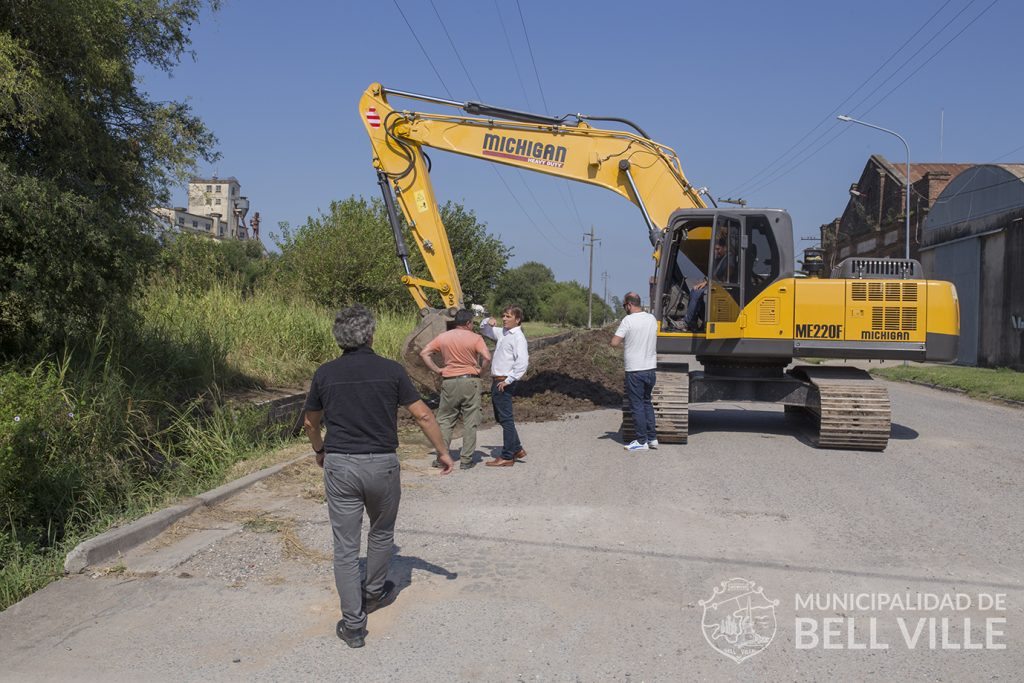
{"type": "Point", "coordinates": [999, 383]}
{"type": "Point", "coordinates": [535, 329]}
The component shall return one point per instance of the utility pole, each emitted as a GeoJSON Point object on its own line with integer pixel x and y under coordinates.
{"type": "Point", "coordinates": [590, 275]}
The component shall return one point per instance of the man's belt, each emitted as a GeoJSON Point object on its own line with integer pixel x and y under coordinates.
{"type": "Point", "coordinates": [499, 378]}
{"type": "Point", "coordinates": [461, 376]}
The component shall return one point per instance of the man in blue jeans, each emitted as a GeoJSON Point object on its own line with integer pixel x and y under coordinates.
{"type": "Point", "coordinates": [638, 334]}
{"type": "Point", "coordinates": [357, 395]}
{"type": "Point", "coordinates": [508, 365]}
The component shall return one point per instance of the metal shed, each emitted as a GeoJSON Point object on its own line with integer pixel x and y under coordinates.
{"type": "Point", "coordinates": [973, 237]}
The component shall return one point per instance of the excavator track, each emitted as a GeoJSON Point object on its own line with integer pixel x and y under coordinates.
{"type": "Point", "coordinates": [853, 410]}
{"type": "Point", "coordinates": [671, 399]}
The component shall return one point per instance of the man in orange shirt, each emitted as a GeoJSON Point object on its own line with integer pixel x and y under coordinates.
{"type": "Point", "coordinates": [462, 350]}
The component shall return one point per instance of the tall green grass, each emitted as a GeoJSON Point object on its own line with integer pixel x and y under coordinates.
{"type": "Point", "coordinates": [139, 419]}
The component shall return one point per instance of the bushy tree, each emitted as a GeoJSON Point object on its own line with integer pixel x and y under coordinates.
{"type": "Point", "coordinates": [481, 258]}
{"type": "Point", "coordinates": [526, 286]}
{"type": "Point", "coordinates": [84, 155]}
{"type": "Point", "coordinates": [566, 304]}
{"type": "Point", "coordinates": [347, 254]}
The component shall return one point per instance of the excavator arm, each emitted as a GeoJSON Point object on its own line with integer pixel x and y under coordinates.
{"type": "Point", "coordinates": [646, 173]}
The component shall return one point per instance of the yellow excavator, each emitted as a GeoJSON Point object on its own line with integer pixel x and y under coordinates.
{"type": "Point", "coordinates": [757, 315]}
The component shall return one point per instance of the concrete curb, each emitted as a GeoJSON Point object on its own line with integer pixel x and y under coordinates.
{"type": "Point", "coordinates": [116, 541]}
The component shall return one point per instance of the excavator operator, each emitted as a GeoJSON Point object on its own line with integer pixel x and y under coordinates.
{"type": "Point", "coordinates": [723, 270]}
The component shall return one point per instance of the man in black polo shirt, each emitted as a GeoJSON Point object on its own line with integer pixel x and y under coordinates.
{"type": "Point", "coordinates": [357, 395]}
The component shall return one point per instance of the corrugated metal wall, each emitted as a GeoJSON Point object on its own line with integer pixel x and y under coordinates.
{"type": "Point", "coordinates": [960, 263]}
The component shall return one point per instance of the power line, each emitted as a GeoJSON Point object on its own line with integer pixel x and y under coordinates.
{"type": "Point", "coordinates": [835, 110]}
{"type": "Point", "coordinates": [862, 113]}
{"type": "Point", "coordinates": [529, 47]}
{"type": "Point", "coordinates": [500, 177]}
{"type": "Point", "coordinates": [512, 54]}
{"type": "Point", "coordinates": [424, 50]}
{"type": "Point", "coordinates": [456, 51]}
{"type": "Point", "coordinates": [794, 164]}
{"type": "Point", "coordinates": [528, 216]}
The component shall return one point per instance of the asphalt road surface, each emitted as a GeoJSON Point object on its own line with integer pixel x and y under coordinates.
{"type": "Point", "coordinates": [587, 563]}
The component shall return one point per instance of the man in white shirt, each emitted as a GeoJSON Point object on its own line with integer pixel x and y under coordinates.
{"type": "Point", "coordinates": [508, 365]}
{"type": "Point", "coordinates": [638, 332]}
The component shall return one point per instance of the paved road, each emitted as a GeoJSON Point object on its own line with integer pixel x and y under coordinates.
{"type": "Point", "coordinates": [590, 564]}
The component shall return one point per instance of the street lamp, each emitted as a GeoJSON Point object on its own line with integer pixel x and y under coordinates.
{"type": "Point", "coordinates": [848, 119]}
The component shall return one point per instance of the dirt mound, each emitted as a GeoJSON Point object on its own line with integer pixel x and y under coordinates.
{"type": "Point", "coordinates": [580, 373]}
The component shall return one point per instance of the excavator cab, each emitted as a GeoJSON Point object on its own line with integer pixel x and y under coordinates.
{"type": "Point", "coordinates": [739, 253]}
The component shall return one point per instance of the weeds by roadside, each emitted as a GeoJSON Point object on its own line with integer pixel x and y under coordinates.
{"type": "Point", "coordinates": [998, 383]}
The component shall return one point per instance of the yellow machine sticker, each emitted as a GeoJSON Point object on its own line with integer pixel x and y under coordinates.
{"type": "Point", "coordinates": [421, 201]}
{"type": "Point", "coordinates": [806, 331]}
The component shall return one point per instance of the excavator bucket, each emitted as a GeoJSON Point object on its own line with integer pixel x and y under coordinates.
{"type": "Point", "coordinates": [434, 322]}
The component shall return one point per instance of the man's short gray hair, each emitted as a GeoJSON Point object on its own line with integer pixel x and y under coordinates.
{"type": "Point", "coordinates": [354, 327]}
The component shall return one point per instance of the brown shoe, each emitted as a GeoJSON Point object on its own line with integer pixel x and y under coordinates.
{"type": "Point", "coordinates": [520, 455]}
{"type": "Point", "coordinates": [500, 462]}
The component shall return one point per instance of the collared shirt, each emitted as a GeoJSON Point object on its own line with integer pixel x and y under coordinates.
{"type": "Point", "coordinates": [639, 333]}
{"type": "Point", "coordinates": [359, 394]}
{"type": "Point", "coordinates": [511, 355]}
{"type": "Point", "coordinates": [461, 351]}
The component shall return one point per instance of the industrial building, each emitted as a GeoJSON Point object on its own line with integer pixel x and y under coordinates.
{"type": "Point", "coordinates": [965, 227]}
{"type": "Point", "coordinates": [216, 208]}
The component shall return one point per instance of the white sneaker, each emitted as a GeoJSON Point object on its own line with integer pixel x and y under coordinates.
{"type": "Point", "coordinates": [636, 446]}
{"type": "Point", "coordinates": [653, 443]}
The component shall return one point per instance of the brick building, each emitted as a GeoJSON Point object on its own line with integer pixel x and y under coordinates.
{"type": "Point", "coordinates": [873, 222]}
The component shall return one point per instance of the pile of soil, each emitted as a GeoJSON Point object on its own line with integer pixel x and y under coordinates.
{"type": "Point", "coordinates": [582, 372]}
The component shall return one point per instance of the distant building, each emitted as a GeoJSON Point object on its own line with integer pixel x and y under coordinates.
{"type": "Point", "coordinates": [181, 220]}
{"type": "Point", "coordinates": [216, 208]}
{"type": "Point", "coordinates": [966, 227]}
{"type": "Point", "coordinates": [873, 223]}
{"type": "Point", "coordinates": [974, 238]}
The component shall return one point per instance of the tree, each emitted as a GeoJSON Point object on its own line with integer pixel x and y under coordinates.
{"type": "Point", "coordinates": [480, 258]}
{"type": "Point", "coordinates": [566, 304]}
{"type": "Point", "coordinates": [344, 256]}
{"type": "Point", "coordinates": [337, 258]}
{"type": "Point", "coordinates": [84, 155]}
{"type": "Point", "coordinates": [526, 286]}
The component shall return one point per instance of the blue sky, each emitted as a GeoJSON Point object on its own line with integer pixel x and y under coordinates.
{"type": "Point", "coordinates": [746, 93]}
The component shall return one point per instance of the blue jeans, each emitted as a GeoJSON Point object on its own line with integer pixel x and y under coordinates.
{"type": "Point", "coordinates": [639, 385]}
{"type": "Point", "coordinates": [501, 401]}
{"type": "Point", "coordinates": [695, 307]}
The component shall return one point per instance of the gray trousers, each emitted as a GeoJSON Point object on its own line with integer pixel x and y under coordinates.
{"type": "Point", "coordinates": [354, 482]}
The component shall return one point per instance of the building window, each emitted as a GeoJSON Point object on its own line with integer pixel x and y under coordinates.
{"type": "Point", "coordinates": [209, 201]}
{"type": "Point", "coordinates": [195, 224]}
{"type": "Point", "coordinates": [209, 188]}
{"type": "Point", "coordinates": [217, 190]}
{"type": "Point", "coordinates": [217, 201]}
{"type": "Point", "coordinates": [181, 220]}
{"type": "Point", "coordinates": [234, 191]}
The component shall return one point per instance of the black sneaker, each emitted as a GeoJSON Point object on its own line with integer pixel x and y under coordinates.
{"type": "Point", "coordinates": [354, 638]}
{"type": "Point", "coordinates": [386, 596]}
{"type": "Point", "coordinates": [467, 465]}
{"type": "Point", "coordinates": [436, 463]}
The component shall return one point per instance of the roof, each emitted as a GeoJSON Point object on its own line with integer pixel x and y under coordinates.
{"type": "Point", "coordinates": [918, 171]}
{"type": "Point", "coordinates": [214, 180]}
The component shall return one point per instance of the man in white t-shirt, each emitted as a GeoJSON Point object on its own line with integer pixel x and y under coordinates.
{"type": "Point", "coordinates": [638, 333]}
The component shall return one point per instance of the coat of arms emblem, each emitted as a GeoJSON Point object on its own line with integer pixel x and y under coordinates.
{"type": "Point", "coordinates": [738, 620]}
